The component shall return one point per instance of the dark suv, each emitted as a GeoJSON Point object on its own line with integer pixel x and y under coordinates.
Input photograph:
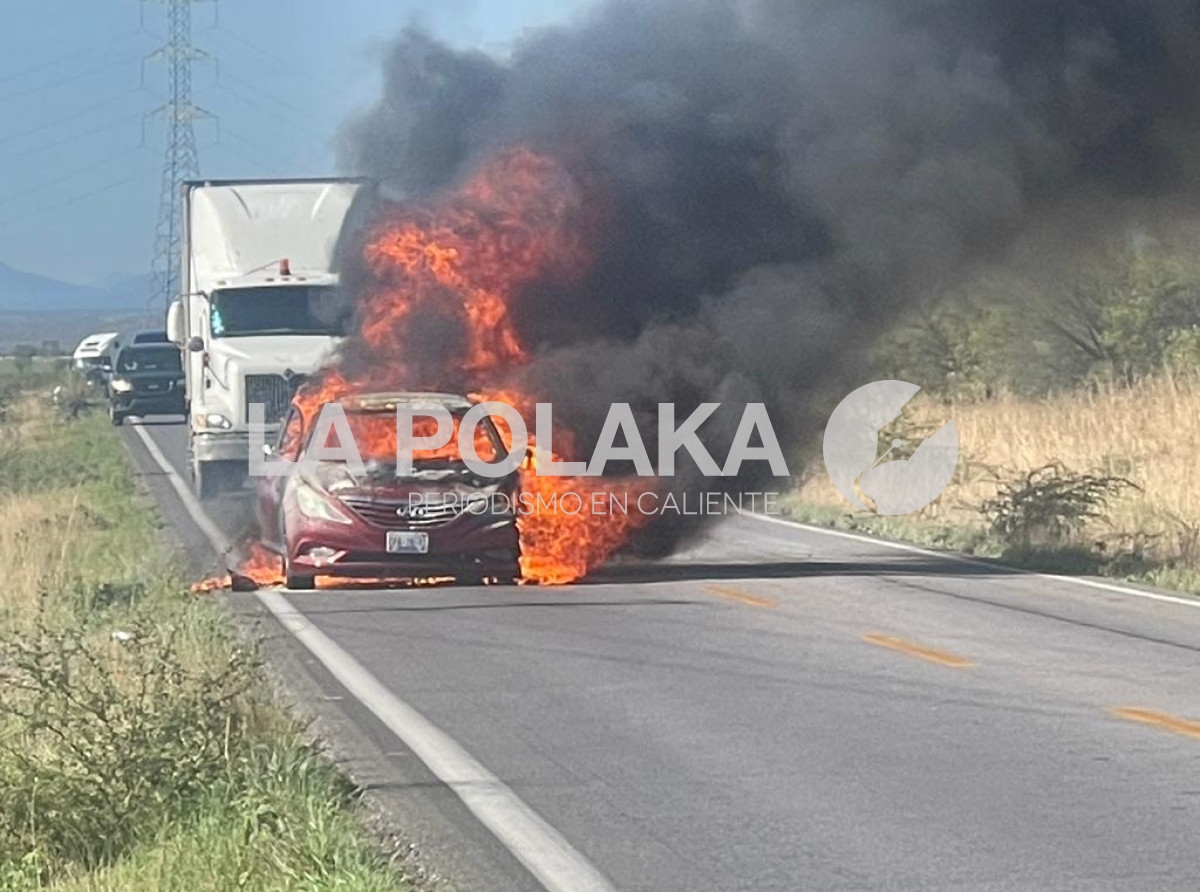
{"type": "Point", "coordinates": [147, 379]}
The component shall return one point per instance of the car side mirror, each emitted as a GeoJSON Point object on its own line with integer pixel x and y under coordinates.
{"type": "Point", "coordinates": [196, 344]}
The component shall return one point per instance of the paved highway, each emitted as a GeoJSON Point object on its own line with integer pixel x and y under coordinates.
{"type": "Point", "coordinates": [776, 709]}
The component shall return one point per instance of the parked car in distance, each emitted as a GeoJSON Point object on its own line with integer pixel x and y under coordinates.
{"type": "Point", "coordinates": [147, 379]}
{"type": "Point", "coordinates": [442, 520]}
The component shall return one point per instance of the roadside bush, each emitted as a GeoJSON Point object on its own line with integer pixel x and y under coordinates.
{"type": "Point", "coordinates": [1049, 507]}
{"type": "Point", "coordinates": [103, 736]}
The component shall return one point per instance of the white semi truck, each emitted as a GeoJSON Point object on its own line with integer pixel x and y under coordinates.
{"type": "Point", "coordinates": [259, 310]}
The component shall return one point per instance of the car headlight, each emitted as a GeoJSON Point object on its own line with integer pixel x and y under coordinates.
{"type": "Point", "coordinates": [315, 506]}
{"type": "Point", "coordinates": [215, 421]}
{"type": "Point", "coordinates": [122, 385]}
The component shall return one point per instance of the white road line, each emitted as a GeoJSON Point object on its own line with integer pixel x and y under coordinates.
{"type": "Point", "coordinates": [975, 562]}
{"type": "Point", "coordinates": [543, 850]}
{"type": "Point", "coordinates": [537, 845]}
{"type": "Point", "coordinates": [211, 531]}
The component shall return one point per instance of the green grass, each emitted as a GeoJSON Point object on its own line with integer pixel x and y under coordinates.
{"type": "Point", "coordinates": [140, 746]}
{"type": "Point", "coordinates": [286, 828]}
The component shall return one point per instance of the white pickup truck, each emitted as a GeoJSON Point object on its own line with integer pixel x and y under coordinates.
{"type": "Point", "coordinates": [259, 310]}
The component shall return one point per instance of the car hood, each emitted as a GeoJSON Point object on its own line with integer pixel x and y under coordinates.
{"type": "Point", "coordinates": [334, 479]}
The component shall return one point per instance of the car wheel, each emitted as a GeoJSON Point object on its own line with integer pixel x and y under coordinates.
{"type": "Point", "coordinates": [297, 583]}
{"type": "Point", "coordinates": [509, 574]}
{"type": "Point", "coordinates": [291, 580]}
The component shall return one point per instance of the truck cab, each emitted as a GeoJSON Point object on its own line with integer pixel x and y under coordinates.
{"type": "Point", "coordinates": [261, 310]}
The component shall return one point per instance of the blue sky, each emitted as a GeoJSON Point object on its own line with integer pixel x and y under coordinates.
{"type": "Point", "coordinates": [78, 183]}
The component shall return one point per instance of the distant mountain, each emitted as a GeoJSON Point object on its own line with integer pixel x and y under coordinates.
{"type": "Point", "coordinates": [24, 292]}
{"type": "Point", "coordinates": [127, 289]}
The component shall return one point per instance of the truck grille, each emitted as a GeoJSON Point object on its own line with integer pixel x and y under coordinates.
{"type": "Point", "coordinates": [392, 515]}
{"type": "Point", "coordinates": [275, 393]}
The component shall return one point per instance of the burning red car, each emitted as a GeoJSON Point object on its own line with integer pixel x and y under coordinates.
{"type": "Point", "coordinates": [442, 520]}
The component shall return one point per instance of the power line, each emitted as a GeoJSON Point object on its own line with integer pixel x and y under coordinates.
{"type": "Point", "coordinates": [66, 57]}
{"type": "Point", "coordinates": [290, 120]}
{"type": "Point", "coordinates": [278, 61]}
{"type": "Point", "coordinates": [265, 94]}
{"type": "Point", "coordinates": [62, 178]}
{"type": "Point", "coordinates": [74, 199]}
{"type": "Point", "coordinates": [33, 91]}
{"type": "Point", "coordinates": [251, 144]}
{"type": "Point", "coordinates": [255, 162]}
{"type": "Point", "coordinates": [82, 113]}
{"type": "Point", "coordinates": [67, 140]}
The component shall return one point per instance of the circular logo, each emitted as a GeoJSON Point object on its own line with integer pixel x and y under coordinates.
{"type": "Point", "coordinates": [896, 486]}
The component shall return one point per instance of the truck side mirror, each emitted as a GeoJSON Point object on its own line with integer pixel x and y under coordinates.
{"type": "Point", "coordinates": [196, 344]}
{"type": "Point", "coordinates": [175, 322]}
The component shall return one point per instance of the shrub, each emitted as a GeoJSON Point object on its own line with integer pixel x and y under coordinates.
{"type": "Point", "coordinates": [1049, 506]}
{"type": "Point", "coordinates": [103, 737]}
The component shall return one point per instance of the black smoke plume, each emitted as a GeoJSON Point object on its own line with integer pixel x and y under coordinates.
{"type": "Point", "coordinates": [779, 179]}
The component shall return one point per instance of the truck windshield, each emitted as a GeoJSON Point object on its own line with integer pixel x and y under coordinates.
{"type": "Point", "coordinates": [278, 310]}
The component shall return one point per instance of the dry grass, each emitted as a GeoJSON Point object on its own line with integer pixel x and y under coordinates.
{"type": "Point", "coordinates": [135, 729]}
{"type": "Point", "coordinates": [1148, 434]}
{"type": "Point", "coordinates": [34, 534]}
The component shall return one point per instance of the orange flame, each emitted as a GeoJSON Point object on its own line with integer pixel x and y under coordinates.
{"type": "Point", "coordinates": [260, 565]}
{"type": "Point", "coordinates": [519, 219]}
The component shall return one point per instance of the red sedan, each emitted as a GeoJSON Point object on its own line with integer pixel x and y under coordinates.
{"type": "Point", "coordinates": [441, 520]}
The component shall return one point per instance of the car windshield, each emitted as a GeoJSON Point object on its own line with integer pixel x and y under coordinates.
{"type": "Point", "coordinates": [284, 309]}
{"type": "Point", "coordinates": [150, 359]}
{"type": "Point", "coordinates": [375, 437]}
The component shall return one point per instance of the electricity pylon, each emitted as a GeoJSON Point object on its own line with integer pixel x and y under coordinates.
{"type": "Point", "coordinates": [181, 162]}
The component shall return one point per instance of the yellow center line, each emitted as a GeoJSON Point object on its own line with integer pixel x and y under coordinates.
{"type": "Point", "coordinates": [1163, 720]}
{"type": "Point", "coordinates": [733, 594]}
{"type": "Point", "coordinates": [920, 651]}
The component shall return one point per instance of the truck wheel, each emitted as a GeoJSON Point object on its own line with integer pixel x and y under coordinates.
{"type": "Point", "coordinates": [117, 418]}
{"type": "Point", "coordinates": [233, 475]}
{"type": "Point", "coordinates": [206, 480]}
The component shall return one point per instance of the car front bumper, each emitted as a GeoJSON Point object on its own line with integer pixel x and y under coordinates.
{"type": "Point", "coordinates": [464, 547]}
{"type": "Point", "coordinates": [149, 404]}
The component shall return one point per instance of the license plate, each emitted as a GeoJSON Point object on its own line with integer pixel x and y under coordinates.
{"type": "Point", "coordinates": [408, 543]}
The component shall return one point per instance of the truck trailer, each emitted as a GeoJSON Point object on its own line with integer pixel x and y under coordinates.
{"type": "Point", "coordinates": [259, 312]}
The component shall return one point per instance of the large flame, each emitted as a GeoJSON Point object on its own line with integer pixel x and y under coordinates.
{"type": "Point", "coordinates": [516, 221]}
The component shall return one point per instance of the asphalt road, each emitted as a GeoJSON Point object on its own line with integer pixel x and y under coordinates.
{"type": "Point", "coordinates": [777, 709]}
